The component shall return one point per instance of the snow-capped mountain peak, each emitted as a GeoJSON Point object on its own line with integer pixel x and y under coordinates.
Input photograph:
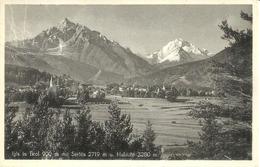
{"type": "Point", "coordinates": [178, 50]}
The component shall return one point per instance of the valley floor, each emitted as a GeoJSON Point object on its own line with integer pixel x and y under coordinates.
{"type": "Point", "coordinates": [170, 122]}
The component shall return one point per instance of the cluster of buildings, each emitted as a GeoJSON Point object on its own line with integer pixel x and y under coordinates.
{"type": "Point", "coordinates": [157, 90]}
{"type": "Point", "coordinates": [76, 92]}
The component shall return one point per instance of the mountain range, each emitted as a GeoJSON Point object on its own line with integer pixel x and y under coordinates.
{"type": "Point", "coordinates": [88, 56]}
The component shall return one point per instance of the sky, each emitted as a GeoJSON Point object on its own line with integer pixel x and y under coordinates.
{"type": "Point", "coordinates": [142, 28]}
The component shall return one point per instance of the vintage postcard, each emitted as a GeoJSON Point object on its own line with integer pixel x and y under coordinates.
{"type": "Point", "coordinates": [134, 81]}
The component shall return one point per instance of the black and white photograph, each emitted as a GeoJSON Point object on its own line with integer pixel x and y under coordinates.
{"type": "Point", "coordinates": [128, 82]}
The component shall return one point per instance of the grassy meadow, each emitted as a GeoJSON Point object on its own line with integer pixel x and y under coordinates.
{"type": "Point", "coordinates": [170, 122]}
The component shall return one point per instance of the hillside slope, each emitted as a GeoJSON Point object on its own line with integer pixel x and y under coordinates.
{"type": "Point", "coordinates": [59, 65]}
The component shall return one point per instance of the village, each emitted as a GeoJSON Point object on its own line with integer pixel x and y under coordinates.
{"type": "Point", "coordinates": [68, 93]}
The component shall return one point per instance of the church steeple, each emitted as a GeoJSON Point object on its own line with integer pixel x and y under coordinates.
{"type": "Point", "coordinates": [52, 89]}
{"type": "Point", "coordinates": [163, 87]}
{"type": "Point", "coordinates": [51, 84]}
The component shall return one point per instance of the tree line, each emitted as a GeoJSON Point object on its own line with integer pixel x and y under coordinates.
{"type": "Point", "coordinates": [58, 134]}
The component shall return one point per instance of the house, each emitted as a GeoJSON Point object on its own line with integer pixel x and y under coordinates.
{"type": "Point", "coordinates": [71, 100]}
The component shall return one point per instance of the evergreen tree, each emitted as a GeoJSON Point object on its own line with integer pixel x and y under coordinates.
{"type": "Point", "coordinates": [118, 129]}
{"type": "Point", "coordinates": [98, 133]}
{"type": "Point", "coordinates": [149, 137]}
{"type": "Point", "coordinates": [236, 36]}
{"type": "Point", "coordinates": [232, 139]}
{"type": "Point", "coordinates": [84, 127]}
{"type": "Point", "coordinates": [136, 143]}
{"type": "Point", "coordinates": [10, 132]}
{"type": "Point", "coordinates": [54, 137]}
{"type": "Point", "coordinates": [69, 133]}
{"type": "Point", "coordinates": [172, 94]}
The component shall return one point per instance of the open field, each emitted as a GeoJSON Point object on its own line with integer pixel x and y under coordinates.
{"type": "Point", "coordinates": [170, 122]}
